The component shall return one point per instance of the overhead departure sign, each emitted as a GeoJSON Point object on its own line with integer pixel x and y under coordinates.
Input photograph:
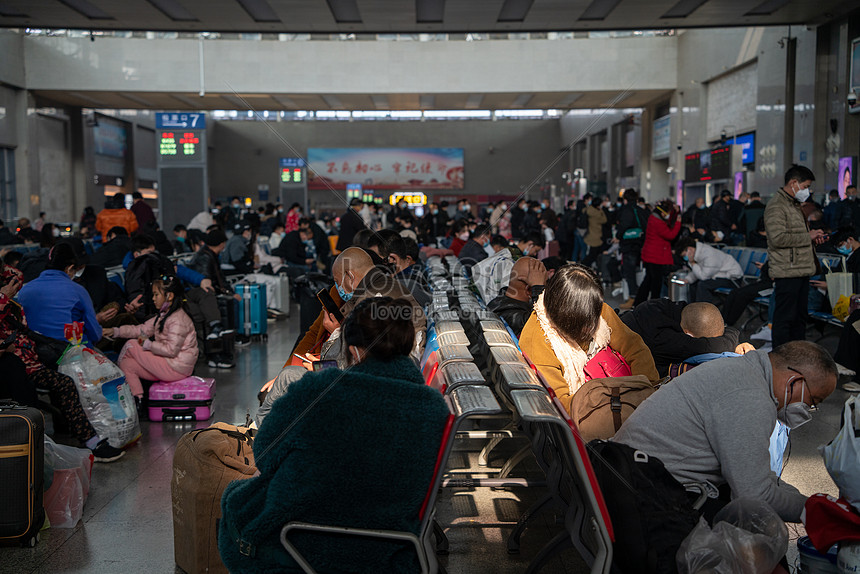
{"type": "Point", "coordinates": [183, 145]}
{"type": "Point", "coordinates": [180, 121]}
{"type": "Point", "coordinates": [412, 198]}
{"type": "Point", "coordinates": [292, 171]}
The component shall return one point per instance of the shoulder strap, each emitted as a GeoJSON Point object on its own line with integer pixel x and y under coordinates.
{"type": "Point", "coordinates": [636, 215]}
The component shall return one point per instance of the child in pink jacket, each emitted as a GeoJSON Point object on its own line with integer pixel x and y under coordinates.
{"type": "Point", "coordinates": [165, 347]}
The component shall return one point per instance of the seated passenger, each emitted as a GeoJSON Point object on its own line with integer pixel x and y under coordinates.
{"type": "Point", "coordinates": [528, 246]}
{"type": "Point", "coordinates": [399, 416]}
{"type": "Point", "coordinates": [116, 246]}
{"type": "Point", "coordinates": [713, 424]}
{"type": "Point", "coordinates": [205, 261]}
{"type": "Point", "coordinates": [20, 358]}
{"type": "Point", "coordinates": [403, 254]}
{"type": "Point", "coordinates": [180, 242]}
{"type": "Point", "coordinates": [515, 302]}
{"type": "Point", "coordinates": [298, 250]}
{"type": "Point", "coordinates": [165, 347]}
{"type": "Point", "coordinates": [738, 300]}
{"type": "Point", "coordinates": [115, 214]}
{"type": "Point", "coordinates": [498, 242]}
{"type": "Point", "coordinates": [711, 269]}
{"type": "Point", "coordinates": [237, 256]}
{"type": "Point", "coordinates": [460, 235]}
{"type": "Point", "coordinates": [674, 331]}
{"type": "Point", "coordinates": [146, 266]}
{"type": "Point", "coordinates": [52, 300]}
{"type": "Point", "coordinates": [474, 249]}
{"type": "Point", "coordinates": [570, 324]}
{"type": "Point", "coordinates": [847, 245]}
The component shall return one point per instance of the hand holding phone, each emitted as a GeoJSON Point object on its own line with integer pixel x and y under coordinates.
{"type": "Point", "coordinates": [329, 304]}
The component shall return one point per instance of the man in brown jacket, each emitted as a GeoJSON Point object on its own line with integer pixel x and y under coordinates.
{"type": "Point", "coordinates": [791, 255]}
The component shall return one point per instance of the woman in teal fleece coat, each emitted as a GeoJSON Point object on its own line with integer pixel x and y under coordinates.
{"type": "Point", "coordinates": [363, 455]}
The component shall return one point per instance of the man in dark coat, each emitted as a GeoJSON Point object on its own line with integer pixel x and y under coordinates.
{"type": "Point", "coordinates": [350, 224]}
{"type": "Point", "coordinates": [632, 220]}
{"type": "Point", "coordinates": [114, 250]}
{"type": "Point", "coordinates": [473, 251]}
{"type": "Point", "coordinates": [676, 331]}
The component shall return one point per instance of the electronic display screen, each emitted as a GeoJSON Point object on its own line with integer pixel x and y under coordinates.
{"type": "Point", "coordinates": [710, 165]}
{"type": "Point", "coordinates": [747, 143]}
{"type": "Point", "coordinates": [293, 175]}
{"type": "Point", "coordinates": [179, 145]}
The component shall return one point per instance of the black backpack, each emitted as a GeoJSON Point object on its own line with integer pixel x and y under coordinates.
{"type": "Point", "coordinates": [651, 512]}
{"type": "Point", "coordinates": [582, 218]}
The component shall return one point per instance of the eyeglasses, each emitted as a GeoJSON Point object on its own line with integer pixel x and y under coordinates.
{"type": "Point", "coordinates": [813, 406]}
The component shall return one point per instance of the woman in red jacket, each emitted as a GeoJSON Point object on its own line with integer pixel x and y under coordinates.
{"type": "Point", "coordinates": [663, 227]}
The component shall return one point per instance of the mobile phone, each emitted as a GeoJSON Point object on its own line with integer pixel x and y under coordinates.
{"type": "Point", "coordinates": [323, 365]}
{"type": "Point", "coordinates": [329, 304]}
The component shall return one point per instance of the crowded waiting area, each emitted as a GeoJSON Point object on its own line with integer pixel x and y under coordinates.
{"type": "Point", "coordinates": [352, 286]}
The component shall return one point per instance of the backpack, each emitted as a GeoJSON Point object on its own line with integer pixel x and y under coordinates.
{"type": "Point", "coordinates": [582, 219]}
{"type": "Point", "coordinates": [600, 406]}
{"type": "Point", "coordinates": [677, 369]}
{"type": "Point", "coordinates": [651, 512]}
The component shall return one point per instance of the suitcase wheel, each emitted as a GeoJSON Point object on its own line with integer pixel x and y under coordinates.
{"type": "Point", "coordinates": [265, 337]}
{"type": "Point", "coordinates": [30, 542]}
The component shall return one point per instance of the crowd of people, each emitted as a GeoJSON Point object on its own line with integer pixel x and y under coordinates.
{"type": "Point", "coordinates": [545, 274]}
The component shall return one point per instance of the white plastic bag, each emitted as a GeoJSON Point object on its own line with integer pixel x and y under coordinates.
{"type": "Point", "coordinates": [64, 500]}
{"type": "Point", "coordinates": [493, 273]}
{"type": "Point", "coordinates": [748, 537]}
{"type": "Point", "coordinates": [105, 396]}
{"type": "Point", "coordinates": [842, 455]}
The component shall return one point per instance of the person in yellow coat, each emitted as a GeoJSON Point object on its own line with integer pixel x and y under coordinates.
{"type": "Point", "coordinates": [570, 324]}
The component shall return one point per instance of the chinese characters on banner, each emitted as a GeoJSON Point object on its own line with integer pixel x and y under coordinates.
{"type": "Point", "coordinates": [386, 168]}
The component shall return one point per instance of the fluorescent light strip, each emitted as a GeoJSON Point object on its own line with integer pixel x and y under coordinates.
{"type": "Point", "coordinates": [514, 10]}
{"type": "Point", "coordinates": [429, 11]}
{"type": "Point", "coordinates": [259, 10]}
{"type": "Point", "coordinates": [458, 114]}
{"type": "Point", "coordinates": [86, 9]}
{"type": "Point", "coordinates": [599, 9]}
{"type": "Point", "coordinates": [344, 11]}
{"type": "Point", "coordinates": [767, 8]}
{"type": "Point", "coordinates": [11, 12]}
{"type": "Point", "coordinates": [173, 10]}
{"type": "Point", "coordinates": [683, 8]}
{"type": "Point", "coordinates": [519, 113]}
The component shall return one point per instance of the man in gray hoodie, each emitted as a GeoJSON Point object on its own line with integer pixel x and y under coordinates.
{"type": "Point", "coordinates": [713, 424]}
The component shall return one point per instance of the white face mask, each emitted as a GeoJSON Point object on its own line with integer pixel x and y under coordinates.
{"type": "Point", "coordinates": [794, 415]}
{"type": "Point", "coordinates": [79, 272]}
{"type": "Point", "coordinates": [801, 195]}
{"type": "Point", "coordinates": [56, 232]}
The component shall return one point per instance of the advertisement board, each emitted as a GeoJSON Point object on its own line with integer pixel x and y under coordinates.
{"type": "Point", "coordinates": [386, 169]}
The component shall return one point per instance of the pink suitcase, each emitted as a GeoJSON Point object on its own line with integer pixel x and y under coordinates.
{"type": "Point", "coordinates": [187, 400]}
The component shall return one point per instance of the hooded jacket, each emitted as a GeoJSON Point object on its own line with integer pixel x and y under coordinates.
{"type": "Point", "coordinates": [177, 343]}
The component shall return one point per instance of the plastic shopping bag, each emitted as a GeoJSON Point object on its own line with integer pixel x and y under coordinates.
{"type": "Point", "coordinates": [105, 395]}
{"type": "Point", "coordinates": [842, 455]}
{"type": "Point", "coordinates": [64, 500]}
{"type": "Point", "coordinates": [748, 537]}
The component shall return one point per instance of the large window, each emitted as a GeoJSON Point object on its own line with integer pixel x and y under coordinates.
{"type": "Point", "coordinates": [8, 198]}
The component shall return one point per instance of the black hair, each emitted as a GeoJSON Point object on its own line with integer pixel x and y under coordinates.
{"type": "Point", "coordinates": [383, 241]}
{"type": "Point", "coordinates": [305, 221]}
{"type": "Point", "coordinates": [553, 263]}
{"type": "Point", "coordinates": [537, 239]}
{"type": "Point", "coordinates": [382, 326]}
{"type": "Point", "coordinates": [140, 242]}
{"type": "Point", "coordinates": [481, 229]}
{"type": "Point", "coordinates": [842, 234]}
{"type": "Point", "coordinates": [756, 194]}
{"type": "Point", "coordinates": [459, 225]}
{"type": "Point", "coordinates": [411, 249]}
{"type": "Point", "coordinates": [296, 205]}
{"type": "Point", "coordinates": [137, 195]}
{"type": "Point", "coordinates": [499, 240]}
{"type": "Point", "coordinates": [171, 284]}
{"type": "Point", "coordinates": [596, 201]}
{"type": "Point", "coordinates": [362, 238]}
{"type": "Point", "coordinates": [13, 258]}
{"type": "Point", "coordinates": [118, 230]}
{"type": "Point", "coordinates": [573, 299]}
{"type": "Point", "coordinates": [630, 195]}
{"type": "Point", "coordinates": [61, 256]}
{"type": "Point", "coordinates": [46, 236]}
{"type": "Point", "coordinates": [684, 244]}
{"type": "Point", "coordinates": [179, 227]}
{"type": "Point", "coordinates": [798, 173]}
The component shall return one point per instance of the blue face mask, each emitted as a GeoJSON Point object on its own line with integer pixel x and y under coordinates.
{"type": "Point", "coordinates": [343, 294]}
{"type": "Point", "coordinates": [686, 258]}
{"type": "Point", "coordinates": [180, 239]}
{"type": "Point", "coordinates": [844, 250]}
{"type": "Point", "coordinates": [486, 243]}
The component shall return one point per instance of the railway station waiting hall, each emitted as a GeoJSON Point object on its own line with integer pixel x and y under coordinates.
{"type": "Point", "coordinates": [433, 286]}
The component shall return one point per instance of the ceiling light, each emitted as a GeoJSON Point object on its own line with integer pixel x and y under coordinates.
{"type": "Point", "coordinates": [599, 9]}
{"type": "Point", "coordinates": [429, 11]}
{"type": "Point", "coordinates": [514, 10]}
{"type": "Point", "coordinates": [345, 11]}
{"type": "Point", "coordinates": [87, 9]}
{"type": "Point", "coordinates": [767, 8]}
{"type": "Point", "coordinates": [259, 10]}
{"type": "Point", "coordinates": [683, 8]}
{"type": "Point", "coordinates": [173, 10]}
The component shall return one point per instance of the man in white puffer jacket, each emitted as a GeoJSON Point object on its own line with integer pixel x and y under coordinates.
{"type": "Point", "coordinates": [711, 269]}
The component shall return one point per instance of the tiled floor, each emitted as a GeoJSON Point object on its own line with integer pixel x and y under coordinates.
{"type": "Point", "coordinates": [127, 522]}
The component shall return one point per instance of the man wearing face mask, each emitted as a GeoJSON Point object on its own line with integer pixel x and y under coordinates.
{"type": "Point", "coordinates": [474, 249]}
{"type": "Point", "coordinates": [791, 254]}
{"type": "Point", "coordinates": [713, 424]}
{"type": "Point", "coordinates": [848, 210]}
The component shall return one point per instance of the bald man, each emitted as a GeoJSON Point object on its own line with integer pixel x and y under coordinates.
{"type": "Point", "coordinates": [713, 424]}
{"type": "Point", "coordinates": [516, 301]}
{"type": "Point", "coordinates": [356, 278]}
{"type": "Point", "coordinates": [674, 331]}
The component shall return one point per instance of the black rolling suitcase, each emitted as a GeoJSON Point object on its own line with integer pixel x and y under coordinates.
{"type": "Point", "coordinates": [22, 460]}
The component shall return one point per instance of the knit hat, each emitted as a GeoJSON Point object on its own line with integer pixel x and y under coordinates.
{"type": "Point", "coordinates": [215, 237]}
